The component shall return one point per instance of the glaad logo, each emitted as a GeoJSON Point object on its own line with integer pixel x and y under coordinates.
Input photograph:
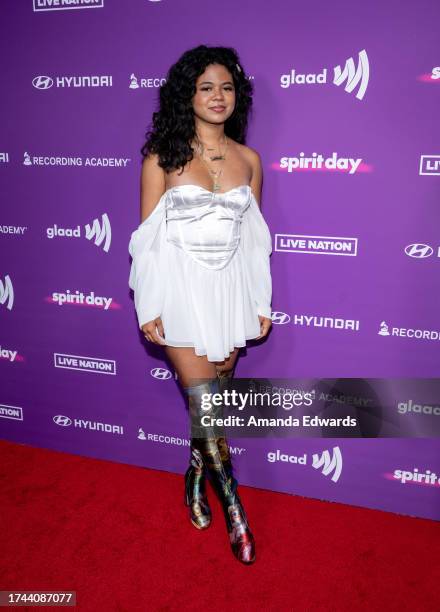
{"type": "Point", "coordinates": [429, 165]}
{"type": "Point", "coordinates": [96, 232]}
{"type": "Point", "coordinates": [419, 251]}
{"type": "Point", "coordinates": [161, 373]}
{"type": "Point", "coordinates": [408, 332]}
{"type": "Point", "coordinates": [44, 82]}
{"type": "Point", "coordinates": [65, 421]}
{"type": "Point", "coordinates": [410, 406]}
{"type": "Point", "coordinates": [350, 75]}
{"type": "Point", "coordinates": [100, 233]}
{"type": "Point", "coordinates": [65, 5]}
{"type": "Point", "coordinates": [7, 292]}
{"type": "Point", "coordinates": [316, 245]}
{"type": "Point", "coordinates": [328, 463]}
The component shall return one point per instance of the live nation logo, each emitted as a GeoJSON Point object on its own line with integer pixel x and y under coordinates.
{"type": "Point", "coordinates": [321, 245]}
{"type": "Point", "coordinates": [65, 5]}
{"type": "Point", "coordinates": [429, 165]}
{"type": "Point", "coordinates": [97, 365]}
{"type": "Point", "coordinates": [98, 231]}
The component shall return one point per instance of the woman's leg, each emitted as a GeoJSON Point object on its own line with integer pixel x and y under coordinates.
{"type": "Point", "coordinates": [211, 451]}
{"type": "Point", "coordinates": [189, 366]}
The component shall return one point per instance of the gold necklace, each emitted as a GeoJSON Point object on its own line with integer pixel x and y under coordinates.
{"type": "Point", "coordinates": [222, 157]}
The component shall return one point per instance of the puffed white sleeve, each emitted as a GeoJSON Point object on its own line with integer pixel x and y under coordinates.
{"type": "Point", "coordinates": [148, 272]}
{"type": "Point", "coordinates": [256, 243]}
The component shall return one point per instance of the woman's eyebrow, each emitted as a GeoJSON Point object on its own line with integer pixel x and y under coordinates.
{"type": "Point", "coordinates": [211, 83]}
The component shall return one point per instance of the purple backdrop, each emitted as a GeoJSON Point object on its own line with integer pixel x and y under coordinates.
{"type": "Point", "coordinates": [356, 84]}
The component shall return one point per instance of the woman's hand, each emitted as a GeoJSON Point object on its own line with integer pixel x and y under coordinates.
{"type": "Point", "coordinates": [150, 333]}
{"type": "Point", "coordinates": [265, 325]}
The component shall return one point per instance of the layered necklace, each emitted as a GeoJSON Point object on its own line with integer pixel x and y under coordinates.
{"type": "Point", "coordinates": [216, 157]}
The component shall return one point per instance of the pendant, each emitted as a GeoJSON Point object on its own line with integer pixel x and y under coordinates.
{"type": "Point", "coordinates": [217, 157]}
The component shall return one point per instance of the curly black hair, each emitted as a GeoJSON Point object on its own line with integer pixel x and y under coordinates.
{"type": "Point", "coordinates": [173, 126]}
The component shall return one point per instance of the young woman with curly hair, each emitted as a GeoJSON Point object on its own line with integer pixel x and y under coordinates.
{"type": "Point", "coordinates": [200, 270]}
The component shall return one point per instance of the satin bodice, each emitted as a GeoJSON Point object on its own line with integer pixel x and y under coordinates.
{"type": "Point", "coordinates": [206, 225]}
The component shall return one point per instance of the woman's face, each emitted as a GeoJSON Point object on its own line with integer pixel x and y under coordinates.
{"type": "Point", "coordinates": [214, 100]}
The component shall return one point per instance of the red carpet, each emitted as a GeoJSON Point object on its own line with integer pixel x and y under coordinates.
{"type": "Point", "coordinates": [72, 523]}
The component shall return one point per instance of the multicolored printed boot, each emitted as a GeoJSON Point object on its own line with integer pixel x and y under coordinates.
{"type": "Point", "coordinates": [215, 454]}
{"type": "Point", "coordinates": [195, 491]}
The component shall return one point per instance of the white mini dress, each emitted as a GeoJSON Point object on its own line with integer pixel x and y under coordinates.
{"type": "Point", "coordinates": [201, 263]}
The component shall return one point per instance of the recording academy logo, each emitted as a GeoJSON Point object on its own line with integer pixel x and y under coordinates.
{"type": "Point", "coordinates": [6, 292]}
{"type": "Point", "coordinates": [45, 82]}
{"type": "Point", "coordinates": [328, 464]}
{"type": "Point", "coordinates": [416, 477]}
{"type": "Point", "coordinates": [11, 412]}
{"type": "Point", "coordinates": [97, 365]}
{"type": "Point", "coordinates": [161, 373]}
{"type": "Point", "coordinates": [145, 83]}
{"type": "Point", "coordinates": [99, 232]}
{"type": "Point", "coordinates": [321, 245]}
{"type": "Point", "coordinates": [350, 76]}
{"type": "Point", "coordinates": [65, 421]}
{"type": "Point", "coordinates": [65, 5]}
{"type": "Point", "coordinates": [408, 332]}
{"type": "Point", "coordinates": [429, 165]}
{"type": "Point", "coordinates": [13, 230]}
{"type": "Point", "coordinates": [80, 162]}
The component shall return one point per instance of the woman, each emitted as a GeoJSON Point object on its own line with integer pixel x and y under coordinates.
{"type": "Point", "coordinates": [200, 270]}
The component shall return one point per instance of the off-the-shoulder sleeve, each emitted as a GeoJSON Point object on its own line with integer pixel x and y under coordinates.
{"type": "Point", "coordinates": [148, 248]}
{"type": "Point", "coordinates": [256, 243]}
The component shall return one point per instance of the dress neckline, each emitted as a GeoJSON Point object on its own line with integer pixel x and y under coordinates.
{"type": "Point", "coordinates": [208, 190]}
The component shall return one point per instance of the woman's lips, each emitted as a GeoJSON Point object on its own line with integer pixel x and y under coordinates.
{"type": "Point", "coordinates": [217, 109]}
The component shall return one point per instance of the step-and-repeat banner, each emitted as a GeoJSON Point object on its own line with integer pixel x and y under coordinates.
{"type": "Point", "coordinates": [346, 101]}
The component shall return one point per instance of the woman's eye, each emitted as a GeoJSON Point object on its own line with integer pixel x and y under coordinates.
{"type": "Point", "coordinates": [207, 88]}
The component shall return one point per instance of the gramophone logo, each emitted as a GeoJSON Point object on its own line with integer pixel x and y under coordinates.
{"type": "Point", "coordinates": [133, 82]}
{"type": "Point", "coordinates": [383, 331]}
{"type": "Point", "coordinates": [7, 292]}
{"type": "Point", "coordinates": [350, 76]}
{"type": "Point", "coordinates": [27, 159]}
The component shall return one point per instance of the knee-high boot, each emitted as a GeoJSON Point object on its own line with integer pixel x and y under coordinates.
{"type": "Point", "coordinates": [195, 491]}
{"type": "Point", "coordinates": [215, 454]}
